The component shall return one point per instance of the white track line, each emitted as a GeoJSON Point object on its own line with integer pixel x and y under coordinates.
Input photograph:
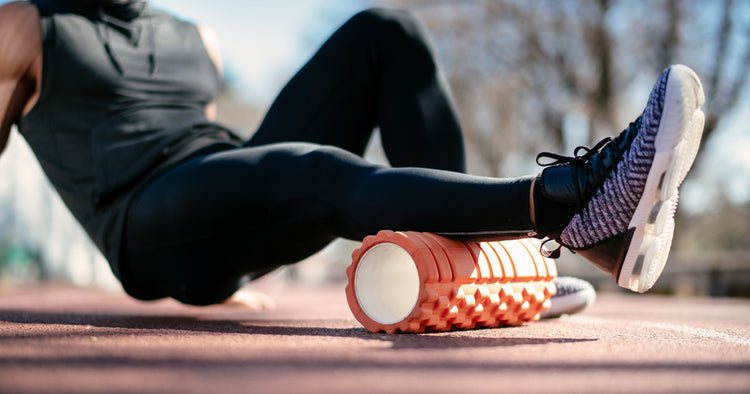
{"type": "Point", "coordinates": [692, 331]}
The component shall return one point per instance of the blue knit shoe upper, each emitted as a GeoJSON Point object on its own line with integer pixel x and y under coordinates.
{"type": "Point", "coordinates": [609, 211]}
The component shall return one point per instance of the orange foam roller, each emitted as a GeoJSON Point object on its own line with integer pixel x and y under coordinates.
{"type": "Point", "coordinates": [412, 282]}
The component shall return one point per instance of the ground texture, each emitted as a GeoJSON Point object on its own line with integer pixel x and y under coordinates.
{"type": "Point", "coordinates": [63, 339]}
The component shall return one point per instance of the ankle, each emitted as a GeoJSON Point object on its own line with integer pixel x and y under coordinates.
{"type": "Point", "coordinates": [550, 212]}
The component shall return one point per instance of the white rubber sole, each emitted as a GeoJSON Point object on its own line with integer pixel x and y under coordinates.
{"type": "Point", "coordinates": [677, 142]}
{"type": "Point", "coordinates": [569, 304]}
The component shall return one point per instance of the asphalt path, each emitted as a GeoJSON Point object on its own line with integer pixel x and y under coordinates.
{"type": "Point", "coordinates": [64, 339]}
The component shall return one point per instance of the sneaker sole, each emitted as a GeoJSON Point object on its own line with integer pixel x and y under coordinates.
{"type": "Point", "coordinates": [414, 282]}
{"type": "Point", "coordinates": [573, 296]}
{"type": "Point", "coordinates": [570, 304]}
{"type": "Point", "coordinates": [677, 142]}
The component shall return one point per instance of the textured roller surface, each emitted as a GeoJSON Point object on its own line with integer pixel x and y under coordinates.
{"type": "Point", "coordinates": [460, 284]}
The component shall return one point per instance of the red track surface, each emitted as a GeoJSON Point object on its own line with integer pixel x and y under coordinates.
{"type": "Point", "coordinates": [59, 339]}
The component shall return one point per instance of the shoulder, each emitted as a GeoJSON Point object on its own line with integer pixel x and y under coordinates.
{"type": "Point", "coordinates": [20, 36]}
{"type": "Point", "coordinates": [16, 12]}
{"type": "Point", "coordinates": [211, 42]}
{"type": "Point", "coordinates": [18, 18]}
{"type": "Point", "coordinates": [208, 36]}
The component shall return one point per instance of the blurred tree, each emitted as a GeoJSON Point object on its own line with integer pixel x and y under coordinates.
{"type": "Point", "coordinates": [549, 75]}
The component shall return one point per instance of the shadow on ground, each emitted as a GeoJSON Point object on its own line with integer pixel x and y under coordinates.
{"type": "Point", "coordinates": [68, 325]}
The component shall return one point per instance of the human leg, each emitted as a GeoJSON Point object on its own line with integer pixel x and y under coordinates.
{"type": "Point", "coordinates": [196, 231]}
{"type": "Point", "coordinates": [378, 69]}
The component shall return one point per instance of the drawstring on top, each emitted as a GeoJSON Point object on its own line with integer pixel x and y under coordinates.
{"type": "Point", "coordinates": [152, 47]}
{"type": "Point", "coordinates": [122, 15]}
{"type": "Point", "coordinates": [103, 32]}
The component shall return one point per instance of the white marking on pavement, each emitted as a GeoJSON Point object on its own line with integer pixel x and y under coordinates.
{"type": "Point", "coordinates": [693, 331]}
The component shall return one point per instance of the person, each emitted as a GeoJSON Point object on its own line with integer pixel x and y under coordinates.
{"type": "Point", "coordinates": [116, 99]}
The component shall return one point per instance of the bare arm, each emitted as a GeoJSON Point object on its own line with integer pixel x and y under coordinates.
{"type": "Point", "coordinates": [211, 42]}
{"type": "Point", "coordinates": [20, 63]}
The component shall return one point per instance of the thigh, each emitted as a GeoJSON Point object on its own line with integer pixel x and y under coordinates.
{"type": "Point", "coordinates": [194, 232]}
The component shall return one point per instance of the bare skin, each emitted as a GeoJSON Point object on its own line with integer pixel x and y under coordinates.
{"type": "Point", "coordinates": [21, 63]}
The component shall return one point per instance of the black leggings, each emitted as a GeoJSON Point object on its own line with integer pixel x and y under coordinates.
{"type": "Point", "coordinates": [195, 232]}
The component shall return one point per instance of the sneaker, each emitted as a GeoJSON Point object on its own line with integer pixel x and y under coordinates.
{"type": "Point", "coordinates": [573, 296]}
{"type": "Point", "coordinates": [626, 188]}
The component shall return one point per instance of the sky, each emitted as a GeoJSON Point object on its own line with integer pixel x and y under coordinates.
{"type": "Point", "coordinates": [264, 42]}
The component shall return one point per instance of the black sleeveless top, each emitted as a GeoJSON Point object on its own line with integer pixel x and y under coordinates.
{"type": "Point", "coordinates": [123, 95]}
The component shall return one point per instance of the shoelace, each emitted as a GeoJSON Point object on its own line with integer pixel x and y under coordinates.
{"type": "Point", "coordinates": [550, 254]}
{"type": "Point", "coordinates": [595, 163]}
{"type": "Point", "coordinates": [590, 168]}
{"type": "Point", "coordinates": [578, 162]}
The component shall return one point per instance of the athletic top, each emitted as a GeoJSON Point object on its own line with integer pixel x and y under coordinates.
{"type": "Point", "coordinates": [123, 96]}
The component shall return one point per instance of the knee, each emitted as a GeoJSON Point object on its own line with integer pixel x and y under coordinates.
{"type": "Point", "coordinates": [387, 17]}
{"type": "Point", "coordinates": [393, 23]}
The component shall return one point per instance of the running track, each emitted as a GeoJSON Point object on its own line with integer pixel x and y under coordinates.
{"type": "Point", "coordinates": [62, 339]}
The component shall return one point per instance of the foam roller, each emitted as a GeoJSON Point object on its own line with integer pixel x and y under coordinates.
{"type": "Point", "coordinates": [413, 282]}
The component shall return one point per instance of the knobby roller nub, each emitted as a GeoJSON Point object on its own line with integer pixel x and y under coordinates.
{"type": "Point", "coordinates": [412, 282]}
